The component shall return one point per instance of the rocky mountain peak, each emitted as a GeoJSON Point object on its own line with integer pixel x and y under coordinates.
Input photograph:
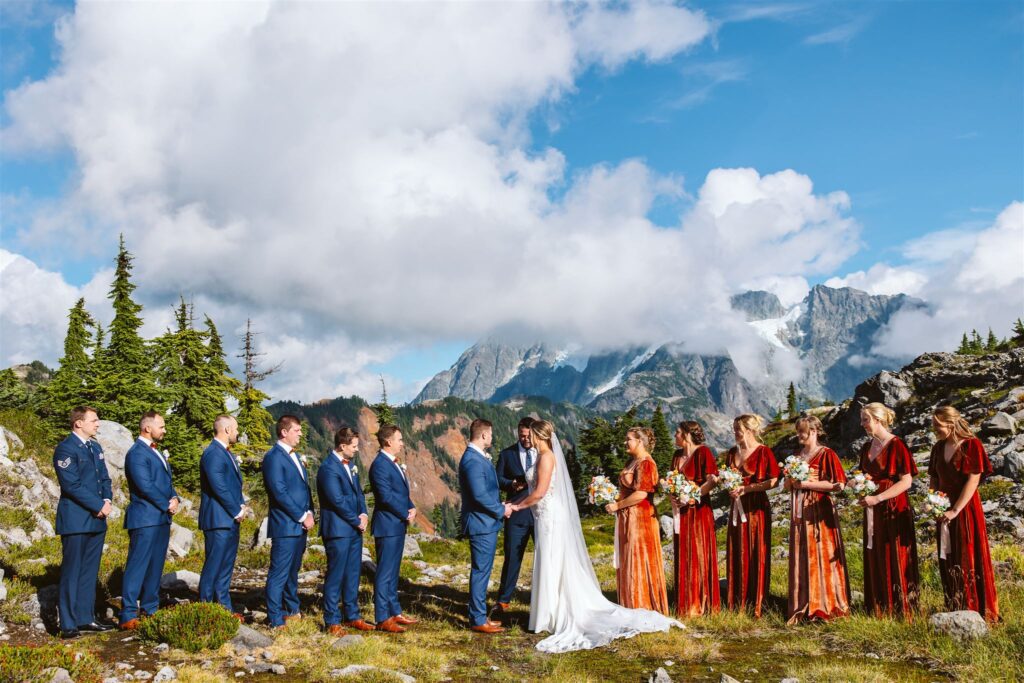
{"type": "Point", "coordinates": [757, 305]}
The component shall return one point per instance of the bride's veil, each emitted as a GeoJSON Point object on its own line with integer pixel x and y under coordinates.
{"type": "Point", "coordinates": [571, 532]}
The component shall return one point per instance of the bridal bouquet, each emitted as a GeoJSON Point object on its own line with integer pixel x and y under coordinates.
{"type": "Point", "coordinates": [796, 469]}
{"type": "Point", "coordinates": [859, 485]}
{"type": "Point", "coordinates": [730, 478]}
{"type": "Point", "coordinates": [935, 504]}
{"type": "Point", "coordinates": [601, 491]}
{"type": "Point", "coordinates": [676, 484]}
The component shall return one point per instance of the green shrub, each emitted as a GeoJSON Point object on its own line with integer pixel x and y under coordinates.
{"type": "Point", "coordinates": [191, 627]}
{"type": "Point", "coordinates": [18, 591]}
{"type": "Point", "coordinates": [995, 489]}
{"type": "Point", "coordinates": [17, 518]}
{"type": "Point", "coordinates": [27, 663]}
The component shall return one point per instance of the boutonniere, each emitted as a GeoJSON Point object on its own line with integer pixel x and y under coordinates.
{"type": "Point", "coordinates": [403, 467]}
{"type": "Point", "coordinates": [355, 470]}
{"type": "Point", "coordinates": [304, 459]}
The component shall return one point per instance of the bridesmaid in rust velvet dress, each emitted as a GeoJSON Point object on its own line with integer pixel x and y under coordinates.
{"type": "Point", "coordinates": [641, 569]}
{"type": "Point", "coordinates": [891, 579]}
{"type": "Point", "coordinates": [696, 551]}
{"type": "Point", "coordinates": [819, 586]}
{"type": "Point", "coordinates": [749, 536]}
{"type": "Point", "coordinates": [957, 464]}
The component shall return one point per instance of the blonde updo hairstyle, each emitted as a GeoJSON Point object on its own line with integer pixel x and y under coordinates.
{"type": "Point", "coordinates": [810, 423]}
{"type": "Point", "coordinates": [645, 435]}
{"type": "Point", "coordinates": [880, 412]}
{"type": "Point", "coordinates": [751, 423]}
{"type": "Point", "coordinates": [542, 430]}
{"type": "Point", "coordinates": [951, 417]}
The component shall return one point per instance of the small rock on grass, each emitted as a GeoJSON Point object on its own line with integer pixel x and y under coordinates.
{"type": "Point", "coordinates": [57, 675]}
{"type": "Point", "coordinates": [961, 624]}
{"type": "Point", "coordinates": [249, 639]}
{"type": "Point", "coordinates": [162, 647]}
{"type": "Point", "coordinates": [660, 676]}
{"type": "Point", "coordinates": [726, 678]}
{"type": "Point", "coordinates": [346, 642]}
{"type": "Point", "coordinates": [165, 674]}
{"type": "Point", "coordinates": [359, 670]}
{"type": "Point", "coordinates": [143, 675]}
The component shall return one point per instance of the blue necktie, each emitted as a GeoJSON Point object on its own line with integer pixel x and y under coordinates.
{"type": "Point", "coordinates": [529, 458]}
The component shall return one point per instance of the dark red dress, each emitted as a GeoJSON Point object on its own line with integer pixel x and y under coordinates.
{"type": "Point", "coordinates": [749, 543]}
{"type": "Point", "coordinates": [891, 576]}
{"type": "Point", "coordinates": [695, 547]}
{"type": "Point", "coordinates": [966, 571]}
{"type": "Point", "coordinates": [819, 587]}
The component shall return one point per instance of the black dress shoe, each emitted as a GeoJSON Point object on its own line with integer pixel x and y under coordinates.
{"type": "Point", "coordinates": [70, 635]}
{"type": "Point", "coordinates": [96, 627]}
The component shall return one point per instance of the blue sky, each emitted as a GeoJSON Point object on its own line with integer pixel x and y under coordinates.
{"type": "Point", "coordinates": [915, 110]}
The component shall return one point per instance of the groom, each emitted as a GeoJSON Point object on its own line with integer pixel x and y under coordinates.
{"type": "Point", "coordinates": [481, 518]}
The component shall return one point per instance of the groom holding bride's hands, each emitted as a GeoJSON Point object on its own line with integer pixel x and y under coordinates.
{"type": "Point", "coordinates": [480, 520]}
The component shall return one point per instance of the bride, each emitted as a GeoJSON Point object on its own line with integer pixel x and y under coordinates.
{"type": "Point", "coordinates": [566, 597]}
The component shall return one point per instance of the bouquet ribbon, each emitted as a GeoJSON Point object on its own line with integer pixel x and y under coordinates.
{"type": "Point", "coordinates": [869, 515]}
{"type": "Point", "coordinates": [944, 541]}
{"type": "Point", "coordinates": [675, 519]}
{"type": "Point", "coordinates": [738, 514]}
{"type": "Point", "coordinates": [798, 504]}
{"type": "Point", "coordinates": [615, 552]}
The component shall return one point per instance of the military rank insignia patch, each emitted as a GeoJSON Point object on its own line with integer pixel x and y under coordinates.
{"type": "Point", "coordinates": [64, 464]}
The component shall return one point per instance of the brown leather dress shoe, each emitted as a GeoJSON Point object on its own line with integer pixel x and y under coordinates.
{"type": "Point", "coordinates": [292, 617]}
{"type": "Point", "coordinates": [404, 620]}
{"type": "Point", "coordinates": [359, 625]}
{"type": "Point", "coordinates": [240, 617]}
{"type": "Point", "coordinates": [129, 625]}
{"type": "Point", "coordinates": [486, 628]}
{"type": "Point", "coordinates": [335, 630]}
{"type": "Point", "coordinates": [390, 625]}
{"type": "Point", "coordinates": [503, 606]}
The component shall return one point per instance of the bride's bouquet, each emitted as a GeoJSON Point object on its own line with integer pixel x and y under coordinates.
{"type": "Point", "coordinates": [601, 491]}
{"type": "Point", "coordinates": [730, 479]}
{"type": "Point", "coordinates": [935, 504]}
{"type": "Point", "coordinates": [796, 468]}
{"type": "Point", "coordinates": [676, 484]}
{"type": "Point", "coordinates": [859, 485]}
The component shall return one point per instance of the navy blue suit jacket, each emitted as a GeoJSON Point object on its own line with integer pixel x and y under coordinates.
{"type": "Point", "coordinates": [84, 484]}
{"type": "Point", "coordinates": [149, 486]}
{"type": "Point", "coordinates": [509, 470]}
{"type": "Point", "coordinates": [220, 485]}
{"type": "Point", "coordinates": [288, 493]}
{"type": "Point", "coordinates": [482, 510]}
{"type": "Point", "coordinates": [391, 501]}
{"type": "Point", "coordinates": [341, 499]}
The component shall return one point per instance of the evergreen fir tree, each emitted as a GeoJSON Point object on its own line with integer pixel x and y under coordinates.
{"type": "Point", "coordinates": [664, 446]}
{"type": "Point", "coordinates": [13, 393]}
{"type": "Point", "coordinates": [977, 346]}
{"type": "Point", "coordinates": [385, 414]}
{"type": "Point", "coordinates": [254, 421]}
{"type": "Point", "coordinates": [126, 387]}
{"type": "Point", "coordinates": [596, 441]}
{"type": "Point", "coordinates": [1018, 332]}
{"type": "Point", "coordinates": [791, 403]}
{"type": "Point", "coordinates": [965, 345]}
{"type": "Point", "coordinates": [215, 358]}
{"type": "Point", "coordinates": [992, 342]}
{"type": "Point", "coordinates": [194, 388]}
{"type": "Point", "coordinates": [72, 382]}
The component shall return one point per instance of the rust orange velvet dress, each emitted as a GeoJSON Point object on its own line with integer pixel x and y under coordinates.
{"type": "Point", "coordinates": [749, 543]}
{"type": "Point", "coordinates": [695, 547]}
{"type": "Point", "coordinates": [891, 579]}
{"type": "Point", "coordinates": [641, 575]}
{"type": "Point", "coordinates": [966, 571]}
{"type": "Point", "coordinates": [819, 586]}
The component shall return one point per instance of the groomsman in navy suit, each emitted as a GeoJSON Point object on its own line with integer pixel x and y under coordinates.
{"type": "Point", "coordinates": [291, 518]}
{"type": "Point", "coordinates": [393, 512]}
{"type": "Point", "coordinates": [81, 521]}
{"type": "Point", "coordinates": [147, 518]}
{"type": "Point", "coordinates": [221, 509]}
{"type": "Point", "coordinates": [511, 469]}
{"type": "Point", "coordinates": [480, 521]}
{"type": "Point", "coordinates": [343, 519]}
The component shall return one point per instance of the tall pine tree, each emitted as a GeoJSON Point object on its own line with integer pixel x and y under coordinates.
{"type": "Point", "coordinates": [992, 342]}
{"type": "Point", "coordinates": [965, 346]}
{"type": "Point", "coordinates": [254, 421]}
{"type": "Point", "coordinates": [1018, 332]}
{"type": "Point", "coordinates": [385, 414]}
{"type": "Point", "coordinates": [664, 446]}
{"type": "Point", "coordinates": [13, 392]}
{"type": "Point", "coordinates": [126, 386]}
{"type": "Point", "coordinates": [215, 357]}
{"type": "Point", "coordinates": [72, 384]}
{"type": "Point", "coordinates": [194, 389]}
{"type": "Point", "coordinates": [791, 404]}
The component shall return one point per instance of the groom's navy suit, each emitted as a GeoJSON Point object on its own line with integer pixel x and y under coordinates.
{"type": "Point", "coordinates": [391, 505]}
{"type": "Point", "coordinates": [149, 527]}
{"type": "Point", "coordinates": [482, 514]}
{"type": "Point", "coordinates": [518, 527]}
{"type": "Point", "coordinates": [288, 493]}
{"type": "Point", "coordinates": [341, 503]}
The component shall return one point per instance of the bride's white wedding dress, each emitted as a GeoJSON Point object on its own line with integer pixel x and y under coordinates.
{"type": "Point", "coordinates": [566, 597]}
